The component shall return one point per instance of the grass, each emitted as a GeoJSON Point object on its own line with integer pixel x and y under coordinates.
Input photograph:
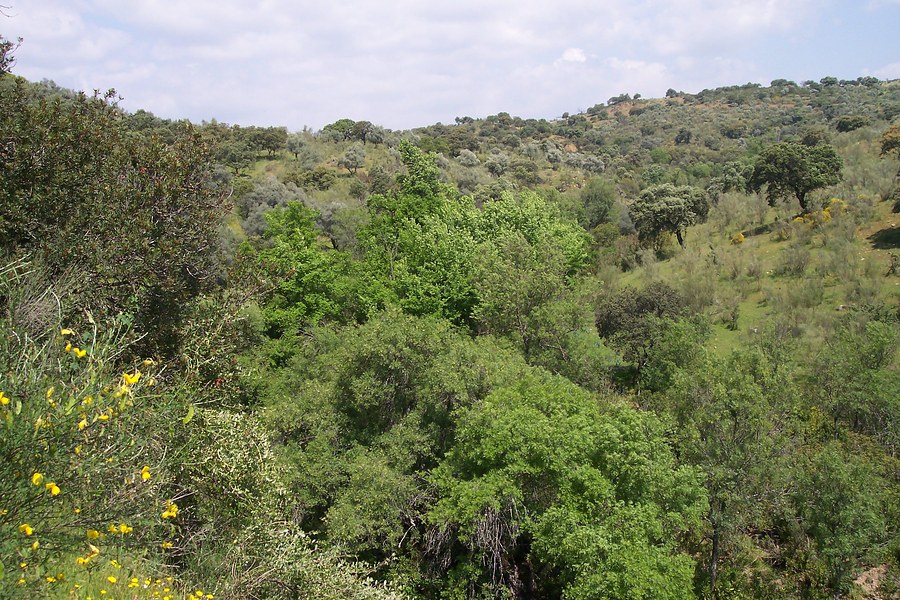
{"type": "Point", "coordinates": [845, 267]}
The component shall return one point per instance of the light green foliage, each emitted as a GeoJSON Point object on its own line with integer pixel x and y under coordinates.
{"type": "Point", "coordinates": [231, 471]}
{"type": "Point", "coordinates": [544, 475]}
{"type": "Point", "coordinates": [312, 283]}
{"type": "Point", "coordinates": [789, 168]}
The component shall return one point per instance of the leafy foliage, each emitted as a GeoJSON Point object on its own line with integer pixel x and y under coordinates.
{"type": "Point", "coordinates": [789, 168]}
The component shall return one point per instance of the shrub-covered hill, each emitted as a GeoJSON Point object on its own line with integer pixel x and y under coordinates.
{"type": "Point", "coordinates": [646, 351]}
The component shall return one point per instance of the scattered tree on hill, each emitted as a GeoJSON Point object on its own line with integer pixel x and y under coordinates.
{"type": "Point", "coordinates": [667, 208]}
{"type": "Point", "coordinates": [353, 158]}
{"type": "Point", "coordinates": [789, 168]}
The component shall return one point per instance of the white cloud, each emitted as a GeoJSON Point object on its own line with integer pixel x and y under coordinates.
{"type": "Point", "coordinates": [573, 55]}
{"type": "Point", "coordinates": [402, 63]}
{"type": "Point", "coordinates": [890, 71]}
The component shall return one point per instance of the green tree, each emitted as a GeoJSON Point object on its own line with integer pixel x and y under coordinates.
{"type": "Point", "coordinates": [667, 208]}
{"type": "Point", "coordinates": [839, 502]}
{"type": "Point", "coordinates": [597, 197]}
{"type": "Point", "coordinates": [789, 168]}
{"type": "Point", "coordinates": [131, 219]}
{"type": "Point", "coordinates": [727, 414]}
{"type": "Point", "coordinates": [353, 158]}
{"type": "Point", "coordinates": [553, 493]}
{"type": "Point", "coordinates": [632, 320]}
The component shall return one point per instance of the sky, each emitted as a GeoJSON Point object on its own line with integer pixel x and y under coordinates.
{"type": "Point", "coordinates": [411, 63]}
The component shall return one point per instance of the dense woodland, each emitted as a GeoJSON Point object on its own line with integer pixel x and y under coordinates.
{"type": "Point", "coordinates": [647, 350]}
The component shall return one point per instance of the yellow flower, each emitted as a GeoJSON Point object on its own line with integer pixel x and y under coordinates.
{"type": "Point", "coordinates": [123, 528]}
{"type": "Point", "coordinates": [79, 352]}
{"type": "Point", "coordinates": [66, 332]}
{"type": "Point", "coordinates": [81, 561]}
{"type": "Point", "coordinates": [145, 473]}
{"type": "Point", "coordinates": [77, 450]}
{"type": "Point", "coordinates": [37, 479]}
{"type": "Point", "coordinates": [68, 346]}
{"type": "Point", "coordinates": [93, 534]}
{"type": "Point", "coordinates": [112, 528]}
{"type": "Point", "coordinates": [76, 510]}
{"type": "Point", "coordinates": [133, 583]}
{"type": "Point", "coordinates": [166, 545]}
{"type": "Point", "coordinates": [82, 424]}
{"type": "Point", "coordinates": [3, 399]}
{"type": "Point", "coordinates": [111, 579]}
{"type": "Point", "coordinates": [35, 545]}
{"type": "Point", "coordinates": [26, 529]}
{"type": "Point", "coordinates": [51, 579]}
{"type": "Point", "coordinates": [94, 550]}
{"type": "Point", "coordinates": [23, 565]}
{"type": "Point", "coordinates": [131, 379]}
{"type": "Point", "coordinates": [103, 417]}
{"type": "Point", "coordinates": [171, 510]}
{"type": "Point", "coordinates": [149, 362]}
{"type": "Point", "coordinates": [52, 488]}
{"type": "Point", "coordinates": [50, 391]}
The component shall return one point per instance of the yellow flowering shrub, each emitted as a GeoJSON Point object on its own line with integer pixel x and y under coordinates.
{"type": "Point", "coordinates": [82, 476]}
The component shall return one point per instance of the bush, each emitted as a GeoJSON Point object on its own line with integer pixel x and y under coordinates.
{"type": "Point", "coordinates": [86, 474]}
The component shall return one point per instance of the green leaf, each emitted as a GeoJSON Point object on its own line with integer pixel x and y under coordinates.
{"type": "Point", "coordinates": [190, 415]}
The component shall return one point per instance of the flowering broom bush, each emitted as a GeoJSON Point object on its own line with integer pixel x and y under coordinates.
{"type": "Point", "coordinates": [83, 485]}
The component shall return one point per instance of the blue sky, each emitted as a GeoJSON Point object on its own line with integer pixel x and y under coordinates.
{"type": "Point", "coordinates": [409, 63]}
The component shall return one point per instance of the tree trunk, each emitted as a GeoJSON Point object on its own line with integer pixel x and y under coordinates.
{"type": "Point", "coordinates": [714, 562]}
{"type": "Point", "coordinates": [680, 237]}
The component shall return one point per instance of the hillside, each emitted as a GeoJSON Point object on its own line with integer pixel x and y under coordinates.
{"type": "Point", "coordinates": [645, 351]}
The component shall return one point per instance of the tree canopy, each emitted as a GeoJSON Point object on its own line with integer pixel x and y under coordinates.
{"type": "Point", "coordinates": [789, 168]}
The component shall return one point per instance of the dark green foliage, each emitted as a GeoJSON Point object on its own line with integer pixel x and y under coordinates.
{"type": "Point", "coordinates": [850, 123]}
{"type": "Point", "coordinates": [794, 169]}
{"type": "Point", "coordinates": [840, 504]}
{"type": "Point", "coordinates": [134, 217]}
{"type": "Point", "coordinates": [667, 208]}
{"type": "Point", "coordinates": [630, 320]}
{"type": "Point", "coordinates": [597, 197]}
